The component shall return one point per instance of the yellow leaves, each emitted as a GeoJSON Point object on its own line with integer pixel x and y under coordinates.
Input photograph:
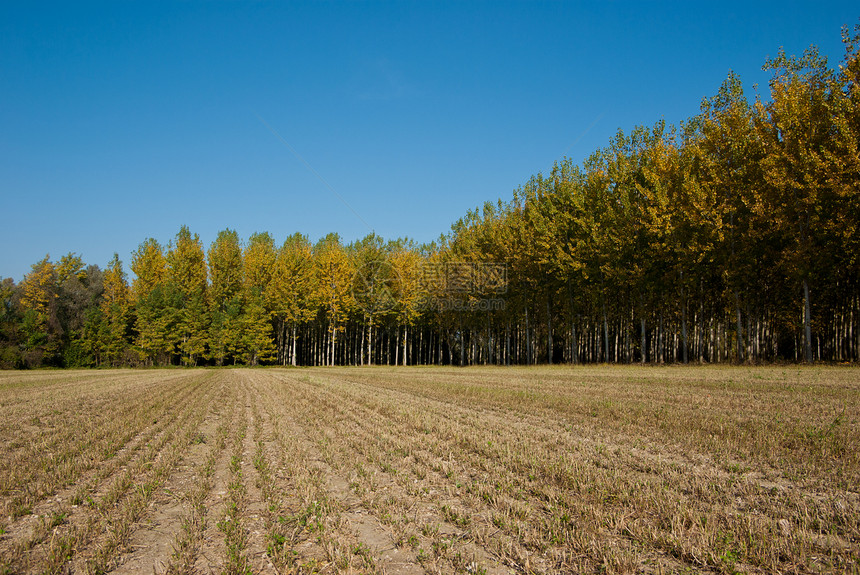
{"type": "Point", "coordinates": [186, 264]}
{"type": "Point", "coordinates": [149, 266]}
{"type": "Point", "coordinates": [115, 299]}
{"type": "Point", "coordinates": [39, 286]}
{"type": "Point", "coordinates": [71, 265]}
{"type": "Point", "coordinates": [226, 269]}
{"type": "Point", "coordinates": [291, 291]}
{"type": "Point", "coordinates": [407, 265]}
{"type": "Point", "coordinates": [259, 259]}
{"type": "Point", "coordinates": [333, 273]}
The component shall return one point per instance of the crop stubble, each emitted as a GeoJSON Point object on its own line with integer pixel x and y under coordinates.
{"type": "Point", "coordinates": [431, 470]}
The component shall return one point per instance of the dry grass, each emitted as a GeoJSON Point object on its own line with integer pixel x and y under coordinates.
{"type": "Point", "coordinates": [432, 470]}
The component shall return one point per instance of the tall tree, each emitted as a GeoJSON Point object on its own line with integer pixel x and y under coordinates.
{"type": "Point", "coordinates": [291, 293]}
{"type": "Point", "coordinates": [10, 354]}
{"type": "Point", "coordinates": [798, 130]}
{"type": "Point", "coordinates": [333, 281]}
{"type": "Point", "coordinates": [80, 291]}
{"type": "Point", "coordinates": [186, 275]}
{"type": "Point", "coordinates": [40, 326]}
{"type": "Point", "coordinates": [154, 321]}
{"type": "Point", "coordinates": [226, 273]}
{"type": "Point", "coordinates": [259, 258]}
{"type": "Point", "coordinates": [373, 285]}
{"type": "Point", "coordinates": [256, 330]}
{"type": "Point", "coordinates": [70, 266]}
{"type": "Point", "coordinates": [725, 155]}
{"type": "Point", "coordinates": [115, 311]}
{"type": "Point", "coordinates": [406, 264]}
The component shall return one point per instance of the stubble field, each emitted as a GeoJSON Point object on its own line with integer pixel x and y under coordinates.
{"type": "Point", "coordinates": [431, 470]}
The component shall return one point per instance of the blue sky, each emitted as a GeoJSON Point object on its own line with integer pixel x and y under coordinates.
{"type": "Point", "coordinates": [121, 121]}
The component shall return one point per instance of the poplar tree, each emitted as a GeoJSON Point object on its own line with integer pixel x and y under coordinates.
{"type": "Point", "coordinates": [729, 156]}
{"type": "Point", "coordinates": [291, 293]}
{"type": "Point", "coordinates": [186, 282]}
{"type": "Point", "coordinates": [797, 128]}
{"type": "Point", "coordinates": [334, 274]}
{"type": "Point", "coordinates": [38, 301]}
{"type": "Point", "coordinates": [256, 328]}
{"type": "Point", "coordinates": [115, 312]}
{"type": "Point", "coordinates": [154, 322]}
{"type": "Point", "coordinates": [407, 293]}
{"type": "Point", "coordinates": [373, 285]}
{"type": "Point", "coordinates": [70, 266]}
{"type": "Point", "coordinates": [226, 273]}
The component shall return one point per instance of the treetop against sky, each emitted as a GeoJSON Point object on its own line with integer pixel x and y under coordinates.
{"type": "Point", "coordinates": [127, 120]}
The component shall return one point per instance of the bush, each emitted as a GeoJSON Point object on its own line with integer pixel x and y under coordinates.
{"type": "Point", "coordinates": [10, 358]}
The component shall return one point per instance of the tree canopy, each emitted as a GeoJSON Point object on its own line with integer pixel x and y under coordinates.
{"type": "Point", "coordinates": [733, 237]}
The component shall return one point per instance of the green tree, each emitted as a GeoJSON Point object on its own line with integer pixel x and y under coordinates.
{"type": "Point", "coordinates": [407, 293]}
{"type": "Point", "coordinates": [373, 284]}
{"type": "Point", "coordinates": [186, 280]}
{"type": "Point", "coordinates": [226, 273]}
{"type": "Point", "coordinates": [291, 293]}
{"type": "Point", "coordinates": [79, 293]}
{"type": "Point", "coordinates": [114, 307]}
{"type": "Point", "coordinates": [729, 154]}
{"type": "Point", "coordinates": [154, 320]}
{"type": "Point", "coordinates": [797, 128]}
{"type": "Point", "coordinates": [70, 266]}
{"type": "Point", "coordinates": [39, 325]}
{"type": "Point", "coordinates": [333, 280]}
{"type": "Point", "coordinates": [260, 258]}
{"type": "Point", "coordinates": [10, 354]}
{"type": "Point", "coordinates": [256, 329]}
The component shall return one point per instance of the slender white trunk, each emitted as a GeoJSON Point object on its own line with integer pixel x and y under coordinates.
{"type": "Point", "coordinates": [293, 350]}
{"type": "Point", "coordinates": [807, 324]}
{"type": "Point", "coordinates": [548, 331]}
{"type": "Point", "coordinates": [684, 332]}
{"type": "Point", "coordinates": [740, 335]}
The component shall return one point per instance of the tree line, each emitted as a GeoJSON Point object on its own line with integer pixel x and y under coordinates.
{"type": "Point", "coordinates": [733, 237]}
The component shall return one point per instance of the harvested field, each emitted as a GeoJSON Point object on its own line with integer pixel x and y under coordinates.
{"type": "Point", "coordinates": [431, 470]}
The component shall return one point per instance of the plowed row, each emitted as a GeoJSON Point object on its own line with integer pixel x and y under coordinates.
{"type": "Point", "coordinates": [430, 470]}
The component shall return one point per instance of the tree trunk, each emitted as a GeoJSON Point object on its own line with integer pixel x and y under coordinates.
{"type": "Point", "coordinates": [397, 345]}
{"type": "Point", "coordinates": [293, 350]}
{"type": "Point", "coordinates": [508, 343]}
{"type": "Point", "coordinates": [605, 334]}
{"type": "Point", "coordinates": [740, 342]}
{"type": "Point", "coordinates": [684, 331]}
{"type": "Point", "coordinates": [807, 324]}
{"type": "Point", "coordinates": [548, 330]}
{"type": "Point", "coordinates": [528, 340]}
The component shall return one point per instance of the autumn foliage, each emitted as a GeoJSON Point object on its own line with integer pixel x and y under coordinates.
{"type": "Point", "coordinates": [733, 237]}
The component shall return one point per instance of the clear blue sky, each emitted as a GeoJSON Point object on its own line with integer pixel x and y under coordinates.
{"type": "Point", "coordinates": [121, 121]}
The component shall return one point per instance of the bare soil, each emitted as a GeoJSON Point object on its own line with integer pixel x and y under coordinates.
{"type": "Point", "coordinates": [431, 470]}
